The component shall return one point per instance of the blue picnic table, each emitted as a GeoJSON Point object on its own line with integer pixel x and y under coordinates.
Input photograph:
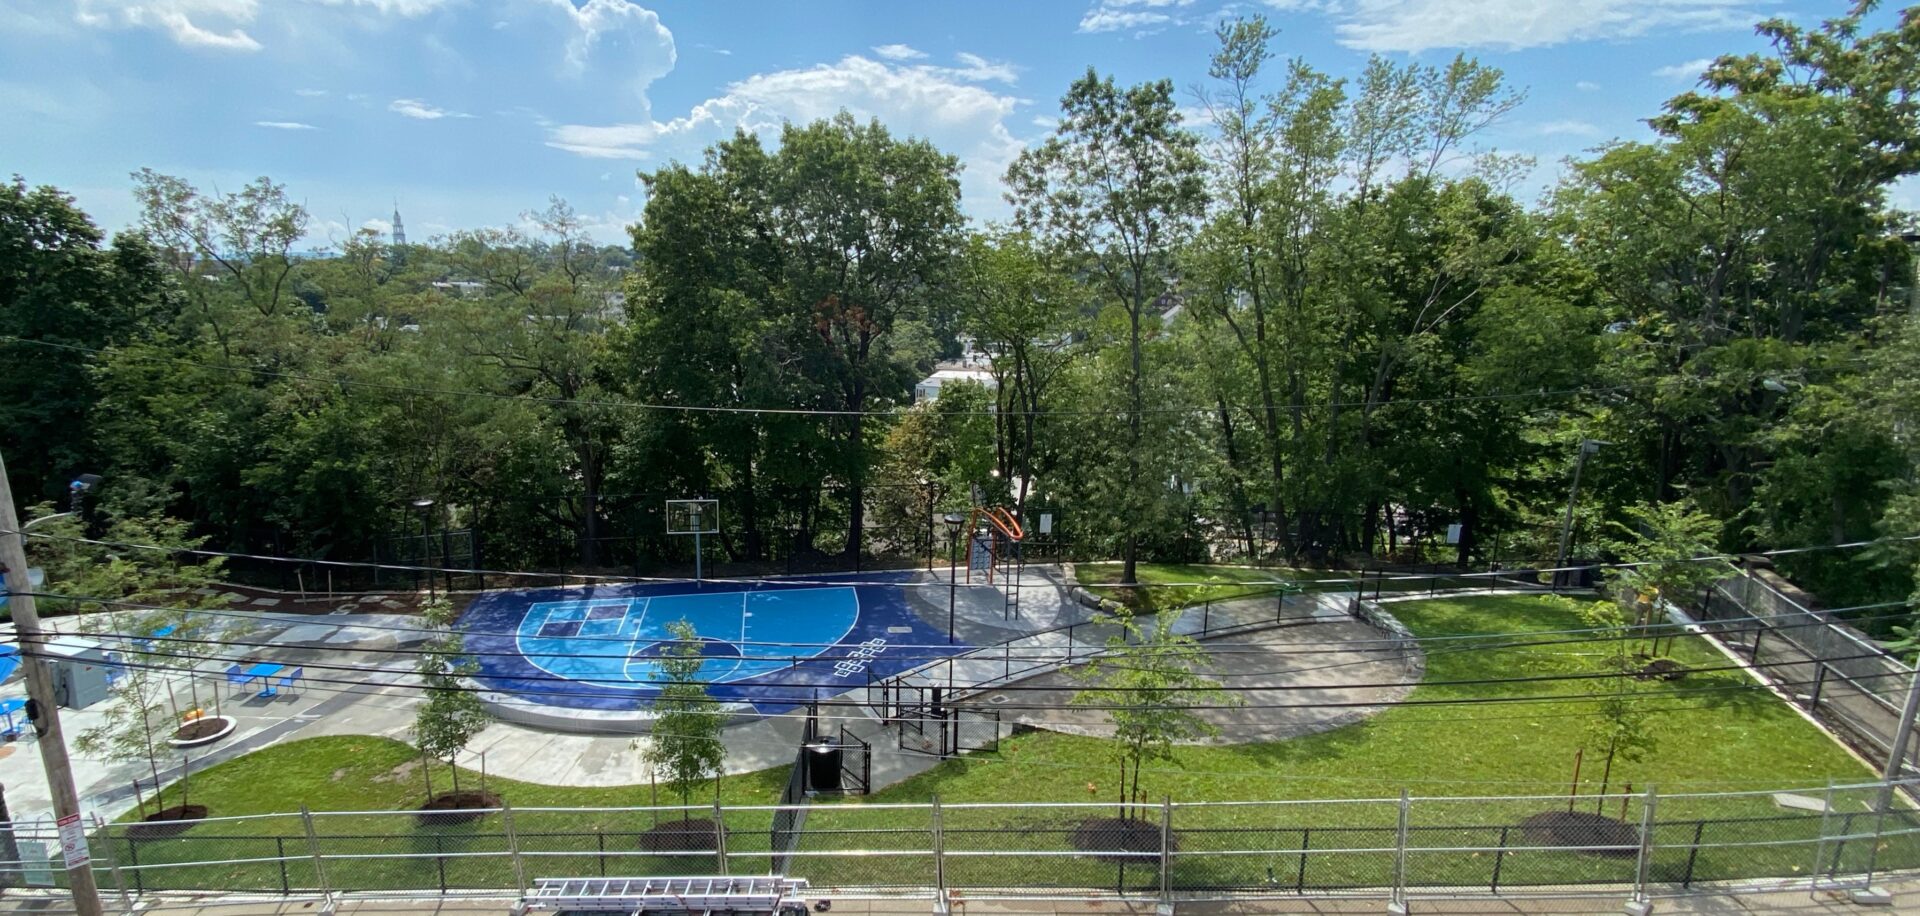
{"type": "Point", "coordinates": [7, 708]}
{"type": "Point", "coordinates": [272, 677]}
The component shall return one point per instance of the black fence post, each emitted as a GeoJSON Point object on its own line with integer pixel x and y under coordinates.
{"type": "Point", "coordinates": [1819, 680]}
{"type": "Point", "coordinates": [280, 852]}
{"type": "Point", "coordinates": [600, 840]}
{"type": "Point", "coordinates": [1499, 857]}
{"type": "Point", "coordinates": [1693, 852]}
{"type": "Point", "coordinates": [1300, 874]}
{"type": "Point", "coordinates": [1206, 616]}
{"type": "Point", "coordinates": [1753, 654]}
{"type": "Point", "coordinates": [440, 859]}
{"type": "Point", "coordinates": [133, 858]}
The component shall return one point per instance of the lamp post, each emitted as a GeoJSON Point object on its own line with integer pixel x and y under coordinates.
{"type": "Point", "coordinates": [425, 505]}
{"type": "Point", "coordinates": [1587, 447]}
{"type": "Point", "coordinates": [953, 520]}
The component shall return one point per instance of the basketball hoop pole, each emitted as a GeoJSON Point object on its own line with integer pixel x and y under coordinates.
{"type": "Point", "coordinates": [695, 512]}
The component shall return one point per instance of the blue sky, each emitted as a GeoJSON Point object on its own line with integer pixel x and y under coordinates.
{"type": "Point", "coordinates": [470, 112]}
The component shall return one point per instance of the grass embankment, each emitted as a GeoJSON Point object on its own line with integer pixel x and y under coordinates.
{"type": "Point", "coordinates": [1170, 585]}
{"type": "Point", "coordinates": [1714, 730]}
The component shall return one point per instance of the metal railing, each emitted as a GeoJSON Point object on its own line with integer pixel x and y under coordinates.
{"type": "Point", "coordinates": [1837, 674]}
{"type": "Point", "coordinates": [1641, 845]}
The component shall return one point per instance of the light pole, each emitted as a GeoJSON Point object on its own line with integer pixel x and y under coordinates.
{"type": "Point", "coordinates": [425, 506]}
{"type": "Point", "coordinates": [1587, 447]}
{"type": "Point", "coordinates": [953, 520]}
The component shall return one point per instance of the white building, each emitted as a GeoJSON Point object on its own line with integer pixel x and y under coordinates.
{"type": "Point", "coordinates": [928, 390]}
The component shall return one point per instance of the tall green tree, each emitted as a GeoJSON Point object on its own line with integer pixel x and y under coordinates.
{"type": "Point", "coordinates": [1118, 187]}
{"type": "Point", "coordinates": [63, 295]}
{"type": "Point", "coordinates": [870, 226]}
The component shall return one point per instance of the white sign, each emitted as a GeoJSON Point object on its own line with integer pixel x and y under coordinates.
{"type": "Point", "coordinates": [73, 842]}
{"type": "Point", "coordinates": [1453, 533]}
{"type": "Point", "coordinates": [1046, 523]}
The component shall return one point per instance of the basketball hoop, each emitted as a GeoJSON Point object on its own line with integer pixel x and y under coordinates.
{"type": "Point", "coordinates": [696, 517]}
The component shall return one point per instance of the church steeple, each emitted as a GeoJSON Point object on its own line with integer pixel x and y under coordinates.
{"type": "Point", "coordinates": [399, 228]}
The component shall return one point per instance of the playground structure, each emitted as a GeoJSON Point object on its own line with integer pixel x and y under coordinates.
{"type": "Point", "coordinates": [993, 543]}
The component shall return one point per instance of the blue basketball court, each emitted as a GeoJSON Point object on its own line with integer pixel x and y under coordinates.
{"type": "Point", "coordinates": [771, 644]}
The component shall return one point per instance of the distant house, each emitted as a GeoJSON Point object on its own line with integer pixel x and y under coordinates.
{"type": "Point", "coordinates": [974, 365]}
{"type": "Point", "coordinates": [928, 390]}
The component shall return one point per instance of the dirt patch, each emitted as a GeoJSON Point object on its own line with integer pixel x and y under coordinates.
{"type": "Point", "coordinates": [401, 773]}
{"type": "Point", "coordinates": [1582, 830]}
{"type": "Point", "coordinates": [458, 807]}
{"type": "Point", "coordinates": [1120, 839]}
{"type": "Point", "coordinates": [168, 821]}
{"type": "Point", "coordinates": [700, 835]}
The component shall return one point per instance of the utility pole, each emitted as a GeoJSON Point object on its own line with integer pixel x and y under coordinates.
{"type": "Point", "coordinates": [1587, 447]}
{"type": "Point", "coordinates": [52, 742]}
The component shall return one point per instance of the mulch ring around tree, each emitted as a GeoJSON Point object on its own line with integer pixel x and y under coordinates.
{"type": "Point", "coordinates": [458, 807]}
{"type": "Point", "coordinates": [1582, 831]}
{"type": "Point", "coordinates": [167, 821]}
{"type": "Point", "coordinates": [1120, 839]}
{"type": "Point", "coordinates": [204, 730]}
{"type": "Point", "coordinates": [700, 835]}
{"type": "Point", "coordinates": [1665, 669]}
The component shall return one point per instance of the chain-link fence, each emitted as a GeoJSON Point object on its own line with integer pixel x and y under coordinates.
{"type": "Point", "coordinates": [1825, 667]}
{"type": "Point", "coordinates": [1639, 843]}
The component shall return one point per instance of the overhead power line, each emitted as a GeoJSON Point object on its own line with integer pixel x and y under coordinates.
{"type": "Point", "coordinates": [1389, 646]}
{"type": "Point", "coordinates": [831, 579]}
{"type": "Point", "coordinates": [835, 701]}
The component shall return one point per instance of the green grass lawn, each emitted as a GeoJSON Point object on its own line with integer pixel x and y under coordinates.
{"type": "Point", "coordinates": [1222, 582]}
{"type": "Point", "coordinates": [1736, 737]}
{"type": "Point", "coordinates": [1170, 585]}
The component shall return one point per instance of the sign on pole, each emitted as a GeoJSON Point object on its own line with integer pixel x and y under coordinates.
{"type": "Point", "coordinates": [73, 842]}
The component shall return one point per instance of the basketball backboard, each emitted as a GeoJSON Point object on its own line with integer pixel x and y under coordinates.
{"type": "Point", "coordinates": [693, 516]}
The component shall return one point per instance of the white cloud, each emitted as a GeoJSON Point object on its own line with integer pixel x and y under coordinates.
{"type": "Point", "coordinates": [1690, 70]}
{"type": "Point", "coordinates": [215, 24]}
{"type": "Point", "coordinates": [1568, 128]}
{"type": "Point", "coordinates": [899, 52]}
{"type": "Point", "coordinates": [415, 108]}
{"type": "Point", "coordinates": [1587, 86]}
{"type": "Point", "coordinates": [947, 106]}
{"type": "Point", "coordinates": [285, 125]}
{"type": "Point", "coordinates": [378, 225]}
{"type": "Point", "coordinates": [979, 69]}
{"type": "Point", "coordinates": [1418, 25]}
{"type": "Point", "coordinates": [1108, 19]}
{"type": "Point", "coordinates": [404, 8]}
{"type": "Point", "coordinates": [310, 93]}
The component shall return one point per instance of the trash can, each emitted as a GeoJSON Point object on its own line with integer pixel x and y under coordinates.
{"type": "Point", "coordinates": [823, 765]}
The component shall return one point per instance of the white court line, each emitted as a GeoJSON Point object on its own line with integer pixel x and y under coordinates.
{"type": "Point", "coordinates": [639, 633]}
